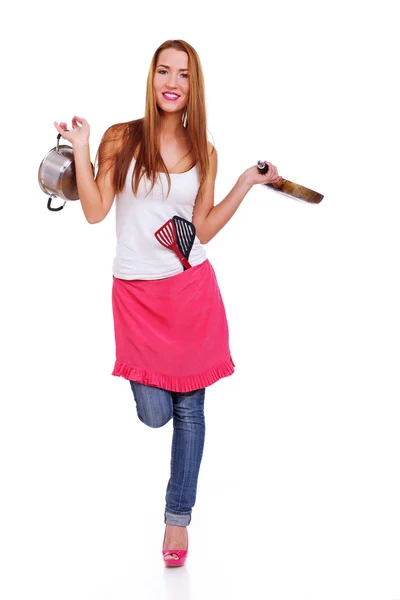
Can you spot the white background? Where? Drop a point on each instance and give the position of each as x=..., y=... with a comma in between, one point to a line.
x=299, y=489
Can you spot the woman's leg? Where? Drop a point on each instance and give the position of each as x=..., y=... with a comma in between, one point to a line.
x=187, y=451
x=153, y=405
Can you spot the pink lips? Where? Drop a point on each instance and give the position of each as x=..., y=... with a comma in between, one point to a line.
x=171, y=99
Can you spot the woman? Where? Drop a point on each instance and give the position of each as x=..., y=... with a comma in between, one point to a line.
x=170, y=325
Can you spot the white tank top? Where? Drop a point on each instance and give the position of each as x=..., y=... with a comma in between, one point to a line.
x=139, y=255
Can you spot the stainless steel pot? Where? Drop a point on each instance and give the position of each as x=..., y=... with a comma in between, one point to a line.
x=57, y=175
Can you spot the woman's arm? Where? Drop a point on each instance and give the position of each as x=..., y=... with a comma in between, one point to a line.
x=88, y=191
x=96, y=196
x=209, y=219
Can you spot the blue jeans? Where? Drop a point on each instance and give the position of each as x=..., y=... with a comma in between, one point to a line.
x=155, y=407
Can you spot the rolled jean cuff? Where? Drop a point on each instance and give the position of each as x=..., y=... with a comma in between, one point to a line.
x=173, y=519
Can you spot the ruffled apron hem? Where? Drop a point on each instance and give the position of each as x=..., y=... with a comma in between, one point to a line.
x=187, y=383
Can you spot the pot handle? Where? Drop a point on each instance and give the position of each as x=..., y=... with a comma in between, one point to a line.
x=51, y=197
x=58, y=142
x=54, y=209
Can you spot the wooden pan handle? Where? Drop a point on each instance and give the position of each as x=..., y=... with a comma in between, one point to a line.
x=289, y=188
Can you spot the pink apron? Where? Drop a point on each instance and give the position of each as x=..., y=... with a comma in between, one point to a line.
x=172, y=333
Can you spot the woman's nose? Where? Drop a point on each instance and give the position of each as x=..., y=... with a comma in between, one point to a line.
x=172, y=81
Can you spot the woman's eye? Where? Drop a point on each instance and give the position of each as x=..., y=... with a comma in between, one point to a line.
x=162, y=71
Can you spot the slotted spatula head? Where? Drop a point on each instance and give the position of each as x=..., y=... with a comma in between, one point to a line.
x=166, y=235
x=185, y=235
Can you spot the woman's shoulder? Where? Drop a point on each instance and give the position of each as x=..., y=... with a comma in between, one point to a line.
x=211, y=149
x=212, y=156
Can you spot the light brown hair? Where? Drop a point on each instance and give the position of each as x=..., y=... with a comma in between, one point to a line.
x=141, y=135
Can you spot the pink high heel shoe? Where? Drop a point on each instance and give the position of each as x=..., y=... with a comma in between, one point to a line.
x=174, y=562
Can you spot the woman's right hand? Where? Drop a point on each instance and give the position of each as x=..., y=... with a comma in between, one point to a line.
x=253, y=176
x=78, y=135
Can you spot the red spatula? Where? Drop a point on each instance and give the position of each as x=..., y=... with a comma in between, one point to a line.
x=166, y=235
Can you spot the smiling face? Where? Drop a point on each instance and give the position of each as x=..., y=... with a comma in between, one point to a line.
x=171, y=80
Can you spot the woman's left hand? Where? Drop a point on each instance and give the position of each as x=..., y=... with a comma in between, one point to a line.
x=252, y=175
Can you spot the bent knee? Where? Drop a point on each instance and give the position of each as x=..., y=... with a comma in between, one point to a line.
x=155, y=422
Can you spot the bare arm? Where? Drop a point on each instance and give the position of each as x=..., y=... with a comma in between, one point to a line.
x=209, y=219
x=88, y=190
x=96, y=195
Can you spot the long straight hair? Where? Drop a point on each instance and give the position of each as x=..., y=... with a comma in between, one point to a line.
x=121, y=141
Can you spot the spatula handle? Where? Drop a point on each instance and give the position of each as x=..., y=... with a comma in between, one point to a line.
x=175, y=248
x=183, y=260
